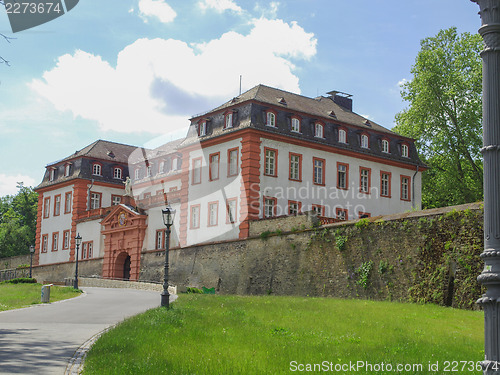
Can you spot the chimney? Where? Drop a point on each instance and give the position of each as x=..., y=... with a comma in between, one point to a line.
x=343, y=99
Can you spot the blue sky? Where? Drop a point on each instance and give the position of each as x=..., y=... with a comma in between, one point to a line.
x=135, y=71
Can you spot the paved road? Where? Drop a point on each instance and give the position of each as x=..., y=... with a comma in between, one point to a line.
x=42, y=339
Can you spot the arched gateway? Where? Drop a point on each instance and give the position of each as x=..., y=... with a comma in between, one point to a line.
x=124, y=230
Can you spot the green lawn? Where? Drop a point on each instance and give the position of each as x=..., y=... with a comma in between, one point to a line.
x=217, y=335
x=15, y=296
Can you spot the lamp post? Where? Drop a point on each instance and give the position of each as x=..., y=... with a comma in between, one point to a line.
x=489, y=11
x=32, y=251
x=168, y=219
x=78, y=241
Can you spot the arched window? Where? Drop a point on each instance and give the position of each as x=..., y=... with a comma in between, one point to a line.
x=271, y=119
x=96, y=169
x=404, y=150
x=295, y=125
x=228, y=121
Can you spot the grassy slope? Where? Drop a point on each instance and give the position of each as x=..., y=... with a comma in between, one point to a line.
x=262, y=335
x=14, y=296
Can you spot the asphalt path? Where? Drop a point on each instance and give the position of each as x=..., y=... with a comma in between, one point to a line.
x=43, y=338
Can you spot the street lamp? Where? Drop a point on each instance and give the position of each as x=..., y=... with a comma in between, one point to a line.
x=490, y=276
x=32, y=251
x=78, y=241
x=168, y=219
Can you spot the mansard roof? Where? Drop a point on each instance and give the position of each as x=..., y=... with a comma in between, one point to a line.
x=103, y=150
x=320, y=107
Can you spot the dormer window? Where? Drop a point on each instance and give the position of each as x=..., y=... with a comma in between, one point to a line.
x=52, y=174
x=136, y=174
x=342, y=136
x=271, y=119
x=67, y=170
x=228, y=121
x=318, y=130
x=96, y=169
x=404, y=150
x=202, y=128
x=364, y=141
x=295, y=125
x=385, y=146
x=148, y=171
x=161, y=167
x=117, y=173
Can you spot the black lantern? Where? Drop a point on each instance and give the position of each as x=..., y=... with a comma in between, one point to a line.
x=32, y=251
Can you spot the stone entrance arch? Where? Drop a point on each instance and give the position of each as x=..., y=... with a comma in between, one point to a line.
x=122, y=266
x=124, y=230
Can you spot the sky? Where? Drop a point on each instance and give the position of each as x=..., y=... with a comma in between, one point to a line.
x=135, y=71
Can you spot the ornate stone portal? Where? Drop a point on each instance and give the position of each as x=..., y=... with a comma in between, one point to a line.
x=124, y=231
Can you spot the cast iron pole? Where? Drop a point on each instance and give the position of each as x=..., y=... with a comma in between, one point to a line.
x=490, y=276
x=165, y=295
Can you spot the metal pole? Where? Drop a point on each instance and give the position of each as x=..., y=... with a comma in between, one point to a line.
x=31, y=262
x=75, y=284
x=490, y=276
x=165, y=296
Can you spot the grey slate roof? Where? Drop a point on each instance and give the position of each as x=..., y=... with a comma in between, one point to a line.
x=104, y=150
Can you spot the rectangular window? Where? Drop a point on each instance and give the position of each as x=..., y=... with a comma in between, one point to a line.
x=269, y=207
x=67, y=170
x=196, y=178
x=318, y=171
x=231, y=210
x=117, y=173
x=55, y=241
x=87, y=250
x=232, y=162
x=161, y=167
x=116, y=200
x=295, y=167
x=342, y=175
x=385, y=184
x=95, y=200
x=271, y=159
x=213, y=214
x=202, y=128
x=385, y=145
x=66, y=235
x=341, y=214
x=214, y=166
x=318, y=209
x=160, y=239
x=295, y=125
x=136, y=174
x=405, y=188
x=342, y=136
x=45, y=243
x=46, y=207
x=294, y=207
x=195, y=216
x=318, y=130
x=57, y=205
x=149, y=171
x=228, y=121
x=404, y=151
x=364, y=141
x=52, y=174
x=67, y=202
x=364, y=180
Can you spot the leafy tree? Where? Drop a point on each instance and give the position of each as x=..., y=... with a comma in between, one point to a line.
x=444, y=116
x=18, y=221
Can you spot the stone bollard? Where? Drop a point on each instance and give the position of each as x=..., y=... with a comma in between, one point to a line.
x=46, y=293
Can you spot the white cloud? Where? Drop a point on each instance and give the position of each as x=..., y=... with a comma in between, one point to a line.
x=158, y=84
x=156, y=8
x=402, y=82
x=270, y=11
x=8, y=183
x=220, y=5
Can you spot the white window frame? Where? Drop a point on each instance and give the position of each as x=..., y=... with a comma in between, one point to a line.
x=364, y=141
x=364, y=177
x=202, y=129
x=295, y=167
x=271, y=119
x=404, y=150
x=318, y=130
x=385, y=146
x=117, y=173
x=228, y=121
x=269, y=207
x=213, y=214
x=270, y=162
x=95, y=201
x=342, y=136
x=295, y=125
x=96, y=169
x=195, y=216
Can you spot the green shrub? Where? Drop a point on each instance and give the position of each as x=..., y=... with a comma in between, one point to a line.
x=341, y=241
x=363, y=272
x=21, y=266
x=265, y=234
x=193, y=290
x=20, y=280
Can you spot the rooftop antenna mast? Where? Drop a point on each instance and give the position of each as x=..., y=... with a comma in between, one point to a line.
x=240, y=84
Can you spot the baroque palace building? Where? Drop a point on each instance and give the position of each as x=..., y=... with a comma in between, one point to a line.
x=263, y=154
